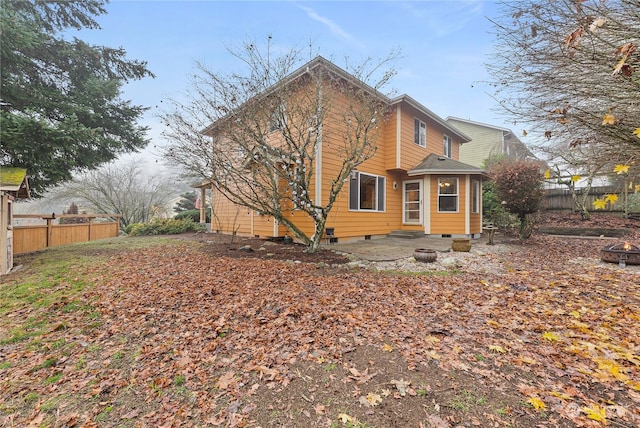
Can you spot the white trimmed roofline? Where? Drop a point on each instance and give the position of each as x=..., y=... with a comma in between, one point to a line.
x=486, y=125
x=406, y=98
x=318, y=61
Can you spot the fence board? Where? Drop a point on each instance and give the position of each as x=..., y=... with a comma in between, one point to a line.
x=560, y=199
x=29, y=238
x=37, y=237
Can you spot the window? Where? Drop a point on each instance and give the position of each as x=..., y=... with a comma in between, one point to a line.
x=277, y=119
x=420, y=132
x=475, y=196
x=366, y=192
x=448, y=194
x=447, y=146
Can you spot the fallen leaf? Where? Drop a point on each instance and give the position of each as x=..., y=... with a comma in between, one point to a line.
x=497, y=348
x=372, y=399
x=345, y=419
x=550, y=336
x=537, y=403
x=401, y=386
x=596, y=413
x=225, y=380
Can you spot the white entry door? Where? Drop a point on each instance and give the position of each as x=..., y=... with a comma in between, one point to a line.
x=412, y=202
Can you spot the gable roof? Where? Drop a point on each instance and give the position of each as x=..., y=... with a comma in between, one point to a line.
x=14, y=179
x=505, y=131
x=438, y=164
x=316, y=63
x=406, y=98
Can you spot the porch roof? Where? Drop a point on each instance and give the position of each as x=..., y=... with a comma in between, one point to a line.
x=438, y=164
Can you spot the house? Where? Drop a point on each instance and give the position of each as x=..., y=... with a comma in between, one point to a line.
x=414, y=183
x=487, y=141
x=13, y=184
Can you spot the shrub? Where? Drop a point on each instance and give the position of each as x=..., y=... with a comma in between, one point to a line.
x=518, y=183
x=194, y=215
x=164, y=227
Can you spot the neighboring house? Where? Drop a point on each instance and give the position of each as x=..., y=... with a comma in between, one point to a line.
x=13, y=184
x=487, y=141
x=414, y=182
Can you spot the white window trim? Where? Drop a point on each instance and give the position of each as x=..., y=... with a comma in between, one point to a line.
x=451, y=195
x=447, y=146
x=421, y=125
x=355, y=175
x=404, y=202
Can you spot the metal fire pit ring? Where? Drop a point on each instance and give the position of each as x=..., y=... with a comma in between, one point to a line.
x=627, y=252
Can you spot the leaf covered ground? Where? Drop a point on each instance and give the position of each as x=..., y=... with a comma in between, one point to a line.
x=172, y=332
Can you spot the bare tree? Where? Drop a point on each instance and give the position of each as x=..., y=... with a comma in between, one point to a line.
x=579, y=165
x=122, y=189
x=569, y=70
x=257, y=136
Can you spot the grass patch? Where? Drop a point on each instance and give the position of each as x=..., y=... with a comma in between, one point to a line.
x=53, y=281
x=53, y=379
x=465, y=400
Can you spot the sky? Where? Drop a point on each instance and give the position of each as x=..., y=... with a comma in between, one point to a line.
x=444, y=45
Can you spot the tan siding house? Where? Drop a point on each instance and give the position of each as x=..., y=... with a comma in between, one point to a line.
x=419, y=183
x=487, y=141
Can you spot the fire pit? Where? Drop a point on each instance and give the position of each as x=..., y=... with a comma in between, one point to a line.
x=621, y=254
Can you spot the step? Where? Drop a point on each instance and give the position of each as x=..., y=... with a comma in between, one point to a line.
x=406, y=234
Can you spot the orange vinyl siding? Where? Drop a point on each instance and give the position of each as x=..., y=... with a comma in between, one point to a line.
x=347, y=223
x=411, y=153
x=227, y=217
x=448, y=223
x=388, y=138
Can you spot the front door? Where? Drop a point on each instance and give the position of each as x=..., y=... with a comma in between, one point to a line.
x=412, y=202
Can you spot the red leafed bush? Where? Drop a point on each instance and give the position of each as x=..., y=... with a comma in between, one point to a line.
x=519, y=186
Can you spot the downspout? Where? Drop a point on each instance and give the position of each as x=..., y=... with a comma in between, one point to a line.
x=318, y=166
x=398, y=137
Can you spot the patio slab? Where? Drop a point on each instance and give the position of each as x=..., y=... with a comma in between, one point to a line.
x=387, y=249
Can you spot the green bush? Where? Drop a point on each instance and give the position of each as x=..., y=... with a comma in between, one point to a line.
x=130, y=227
x=194, y=215
x=170, y=226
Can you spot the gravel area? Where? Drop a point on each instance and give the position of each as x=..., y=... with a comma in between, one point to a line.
x=496, y=259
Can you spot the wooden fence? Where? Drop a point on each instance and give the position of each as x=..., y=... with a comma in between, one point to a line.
x=560, y=199
x=35, y=237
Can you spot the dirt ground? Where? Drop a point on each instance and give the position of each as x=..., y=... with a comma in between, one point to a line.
x=203, y=333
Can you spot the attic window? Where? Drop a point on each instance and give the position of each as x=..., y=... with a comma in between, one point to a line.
x=447, y=146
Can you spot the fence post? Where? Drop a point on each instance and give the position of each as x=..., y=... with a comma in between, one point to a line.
x=49, y=231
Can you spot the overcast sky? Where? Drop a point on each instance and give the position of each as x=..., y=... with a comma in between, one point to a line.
x=445, y=44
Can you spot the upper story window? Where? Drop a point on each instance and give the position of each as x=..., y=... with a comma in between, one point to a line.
x=366, y=192
x=277, y=119
x=420, y=132
x=448, y=147
x=448, y=194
